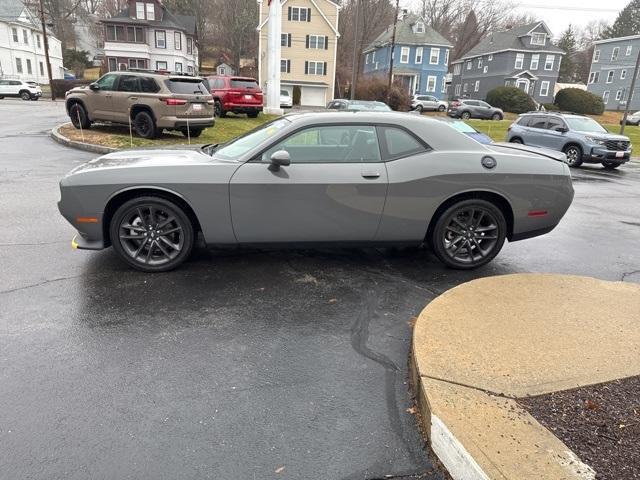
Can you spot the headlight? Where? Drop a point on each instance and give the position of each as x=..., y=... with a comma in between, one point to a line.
x=597, y=141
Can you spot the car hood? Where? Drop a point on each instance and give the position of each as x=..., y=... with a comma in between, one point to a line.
x=605, y=136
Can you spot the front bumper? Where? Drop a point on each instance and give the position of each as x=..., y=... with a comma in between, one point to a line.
x=35, y=94
x=81, y=243
x=601, y=154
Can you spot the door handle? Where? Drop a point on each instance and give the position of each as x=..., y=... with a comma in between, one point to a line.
x=133, y=98
x=370, y=174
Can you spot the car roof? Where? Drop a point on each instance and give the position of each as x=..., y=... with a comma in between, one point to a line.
x=169, y=75
x=560, y=114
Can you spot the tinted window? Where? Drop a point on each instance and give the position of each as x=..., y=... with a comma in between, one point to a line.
x=484, y=104
x=243, y=83
x=524, y=121
x=472, y=103
x=554, y=123
x=107, y=82
x=4, y=82
x=400, y=143
x=538, y=122
x=186, y=86
x=148, y=85
x=128, y=83
x=16, y=82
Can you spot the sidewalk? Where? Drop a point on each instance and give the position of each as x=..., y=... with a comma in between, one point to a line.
x=480, y=346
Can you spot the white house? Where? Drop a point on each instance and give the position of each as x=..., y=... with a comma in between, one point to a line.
x=22, y=46
x=147, y=36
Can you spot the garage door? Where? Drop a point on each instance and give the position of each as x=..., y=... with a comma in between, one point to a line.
x=312, y=96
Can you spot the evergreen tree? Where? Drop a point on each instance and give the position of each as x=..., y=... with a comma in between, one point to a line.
x=568, y=43
x=627, y=23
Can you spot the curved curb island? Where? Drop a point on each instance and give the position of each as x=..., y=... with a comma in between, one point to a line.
x=482, y=345
x=87, y=147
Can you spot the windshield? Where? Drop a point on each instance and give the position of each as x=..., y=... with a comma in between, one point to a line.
x=375, y=106
x=284, y=93
x=187, y=86
x=238, y=147
x=584, y=124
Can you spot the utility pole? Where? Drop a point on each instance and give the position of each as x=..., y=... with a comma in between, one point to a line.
x=393, y=47
x=633, y=86
x=273, y=57
x=45, y=40
x=356, y=59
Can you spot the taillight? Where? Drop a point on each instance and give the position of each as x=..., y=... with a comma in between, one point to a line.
x=175, y=101
x=211, y=102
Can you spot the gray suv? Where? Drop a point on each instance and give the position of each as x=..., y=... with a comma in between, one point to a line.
x=466, y=108
x=581, y=138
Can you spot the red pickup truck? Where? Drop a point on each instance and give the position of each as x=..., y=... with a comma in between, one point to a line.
x=235, y=94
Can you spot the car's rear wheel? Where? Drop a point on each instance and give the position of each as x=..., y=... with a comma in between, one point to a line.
x=610, y=165
x=193, y=132
x=441, y=108
x=465, y=116
x=252, y=114
x=152, y=234
x=78, y=116
x=574, y=155
x=24, y=95
x=145, y=125
x=217, y=109
x=496, y=116
x=469, y=234
x=516, y=140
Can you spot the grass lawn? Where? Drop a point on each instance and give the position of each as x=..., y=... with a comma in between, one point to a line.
x=118, y=136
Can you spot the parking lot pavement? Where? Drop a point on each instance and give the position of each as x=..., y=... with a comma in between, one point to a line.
x=240, y=365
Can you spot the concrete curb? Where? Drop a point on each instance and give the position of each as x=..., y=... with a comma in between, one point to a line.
x=87, y=147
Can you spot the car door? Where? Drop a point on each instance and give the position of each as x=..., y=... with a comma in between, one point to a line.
x=4, y=88
x=554, y=135
x=333, y=191
x=99, y=101
x=124, y=96
x=430, y=103
x=484, y=109
x=536, y=131
x=472, y=108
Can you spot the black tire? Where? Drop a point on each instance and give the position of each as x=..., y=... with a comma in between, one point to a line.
x=145, y=125
x=468, y=234
x=78, y=116
x=516, y=140
x=1, y=98
x=193, y=132
x=136, y=234
x=218, y=111
x=574, y=155
x=252, y=114
x=610, y=165
x=496, y=116
x=25, y=95
x=441, y=108
x=465, y=115
x=419, y=108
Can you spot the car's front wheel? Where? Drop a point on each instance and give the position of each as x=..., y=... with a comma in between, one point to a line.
x=24, y=95
x=469, y=234
x=441, y=108
x=152, y=234
x=496, y=116
x=145, y=125
x=610, y=165
x=78, y=116
x=419, y=108
x=252, y=114
x=465, y=116
x=574, y=155
x=516, y=140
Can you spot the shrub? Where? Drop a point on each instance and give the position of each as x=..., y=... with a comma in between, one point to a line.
x=510, y=99
x=579, y=101
x=60, y=87
x=377, y=89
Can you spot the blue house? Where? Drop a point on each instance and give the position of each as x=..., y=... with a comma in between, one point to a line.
x=420, y=59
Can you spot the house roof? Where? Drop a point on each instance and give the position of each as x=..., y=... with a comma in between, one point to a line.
x=169, y=20
x=509, y=40
x=405, y=35
x=10, y=10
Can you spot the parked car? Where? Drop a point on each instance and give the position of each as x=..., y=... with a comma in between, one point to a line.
x=468, y=130
x=149, y=101
x=466, y=108
x=633, y=119
x=285, y=99
x=20, y=89
x=581, y=138
x=358, y=105
x=428, y=102
x=236, y=95
x=312, y=178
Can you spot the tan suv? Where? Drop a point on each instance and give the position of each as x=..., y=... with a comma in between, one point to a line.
x=151, y=102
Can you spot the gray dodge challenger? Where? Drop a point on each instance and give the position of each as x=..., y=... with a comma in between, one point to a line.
x=311, y=179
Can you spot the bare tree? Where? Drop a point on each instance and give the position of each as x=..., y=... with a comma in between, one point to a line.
x=60, y=15
x=233, y=29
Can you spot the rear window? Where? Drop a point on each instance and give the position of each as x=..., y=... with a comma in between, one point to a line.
x=186, y=86
x=243, y=83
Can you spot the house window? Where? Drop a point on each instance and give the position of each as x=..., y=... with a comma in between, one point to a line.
x=435, y=56
x=113, y=64
x=14, y=33
x=140, y=10
x=376, y=67
x=285, y=39
x=139, y=63
x=135, y=35
x=476, y=87
x=629, y=49
x=404, y=55
x=151, y=13
x=443, y=89
x=318, y=42
x=315, y=68
x=25, y=37
x=373, y=57
x=177, y=40
x=446, y=56
x=285, y=66
x=535, y=59
x=116, y=33
x=29, y=71
x=456, y=68
x=299, y=14
x=419, y=27
x=179, y=67
x=38, y=41
x=614, y=53
x=623, y=74
x=41, y=69
x=190, y=69
x=490, y=58
x=538, y=38
x=596, y=56
x=519, y=61
x=19, y=65
x=605, y=96
x=480, y=62
x=189, y=45
x=544, y=88
x=619, y=95
x=469, y=65
x=548, y=63
x=610, y=75
x=465, y=87
x=418, y=55
x=456, y=91
x=431, y=83
x=366, y=59
x=161, y=65
x=161, y=39
x=485, y=69
x=594, y=77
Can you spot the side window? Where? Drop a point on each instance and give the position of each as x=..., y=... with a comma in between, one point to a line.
x=471, y=103
x=128, y=83
x=218, y=83
x=148, y=85
x=399, y=143
x=524, y=121
x=330, y=144
x=484, y=104
x=538, y=122
x=555, y=124
x=107, y=82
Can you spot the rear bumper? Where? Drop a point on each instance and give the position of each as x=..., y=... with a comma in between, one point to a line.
x=600, y=154
x=181, y=122
x=241, y=108
x=195, y=123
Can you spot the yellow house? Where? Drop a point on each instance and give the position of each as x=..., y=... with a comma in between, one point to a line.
x=308, y=49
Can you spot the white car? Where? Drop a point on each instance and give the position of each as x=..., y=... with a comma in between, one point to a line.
x=285, y=99
x=633, y=119
x=428, y=102
x=20, y=88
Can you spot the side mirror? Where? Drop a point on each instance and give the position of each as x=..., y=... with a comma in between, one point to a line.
x=94, y=86
x=280, y=158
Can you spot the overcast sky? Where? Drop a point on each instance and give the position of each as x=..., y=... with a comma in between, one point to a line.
x=558, y=14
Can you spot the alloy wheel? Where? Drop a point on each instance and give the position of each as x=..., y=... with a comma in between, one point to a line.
x=25, y=96
x=573, y=156
x=143, y=125
x=470, y=235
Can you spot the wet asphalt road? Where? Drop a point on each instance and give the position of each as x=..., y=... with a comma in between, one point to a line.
x=241, y=364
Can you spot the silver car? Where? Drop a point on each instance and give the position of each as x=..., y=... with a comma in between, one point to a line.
x=305, y=179
x=428, y=102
